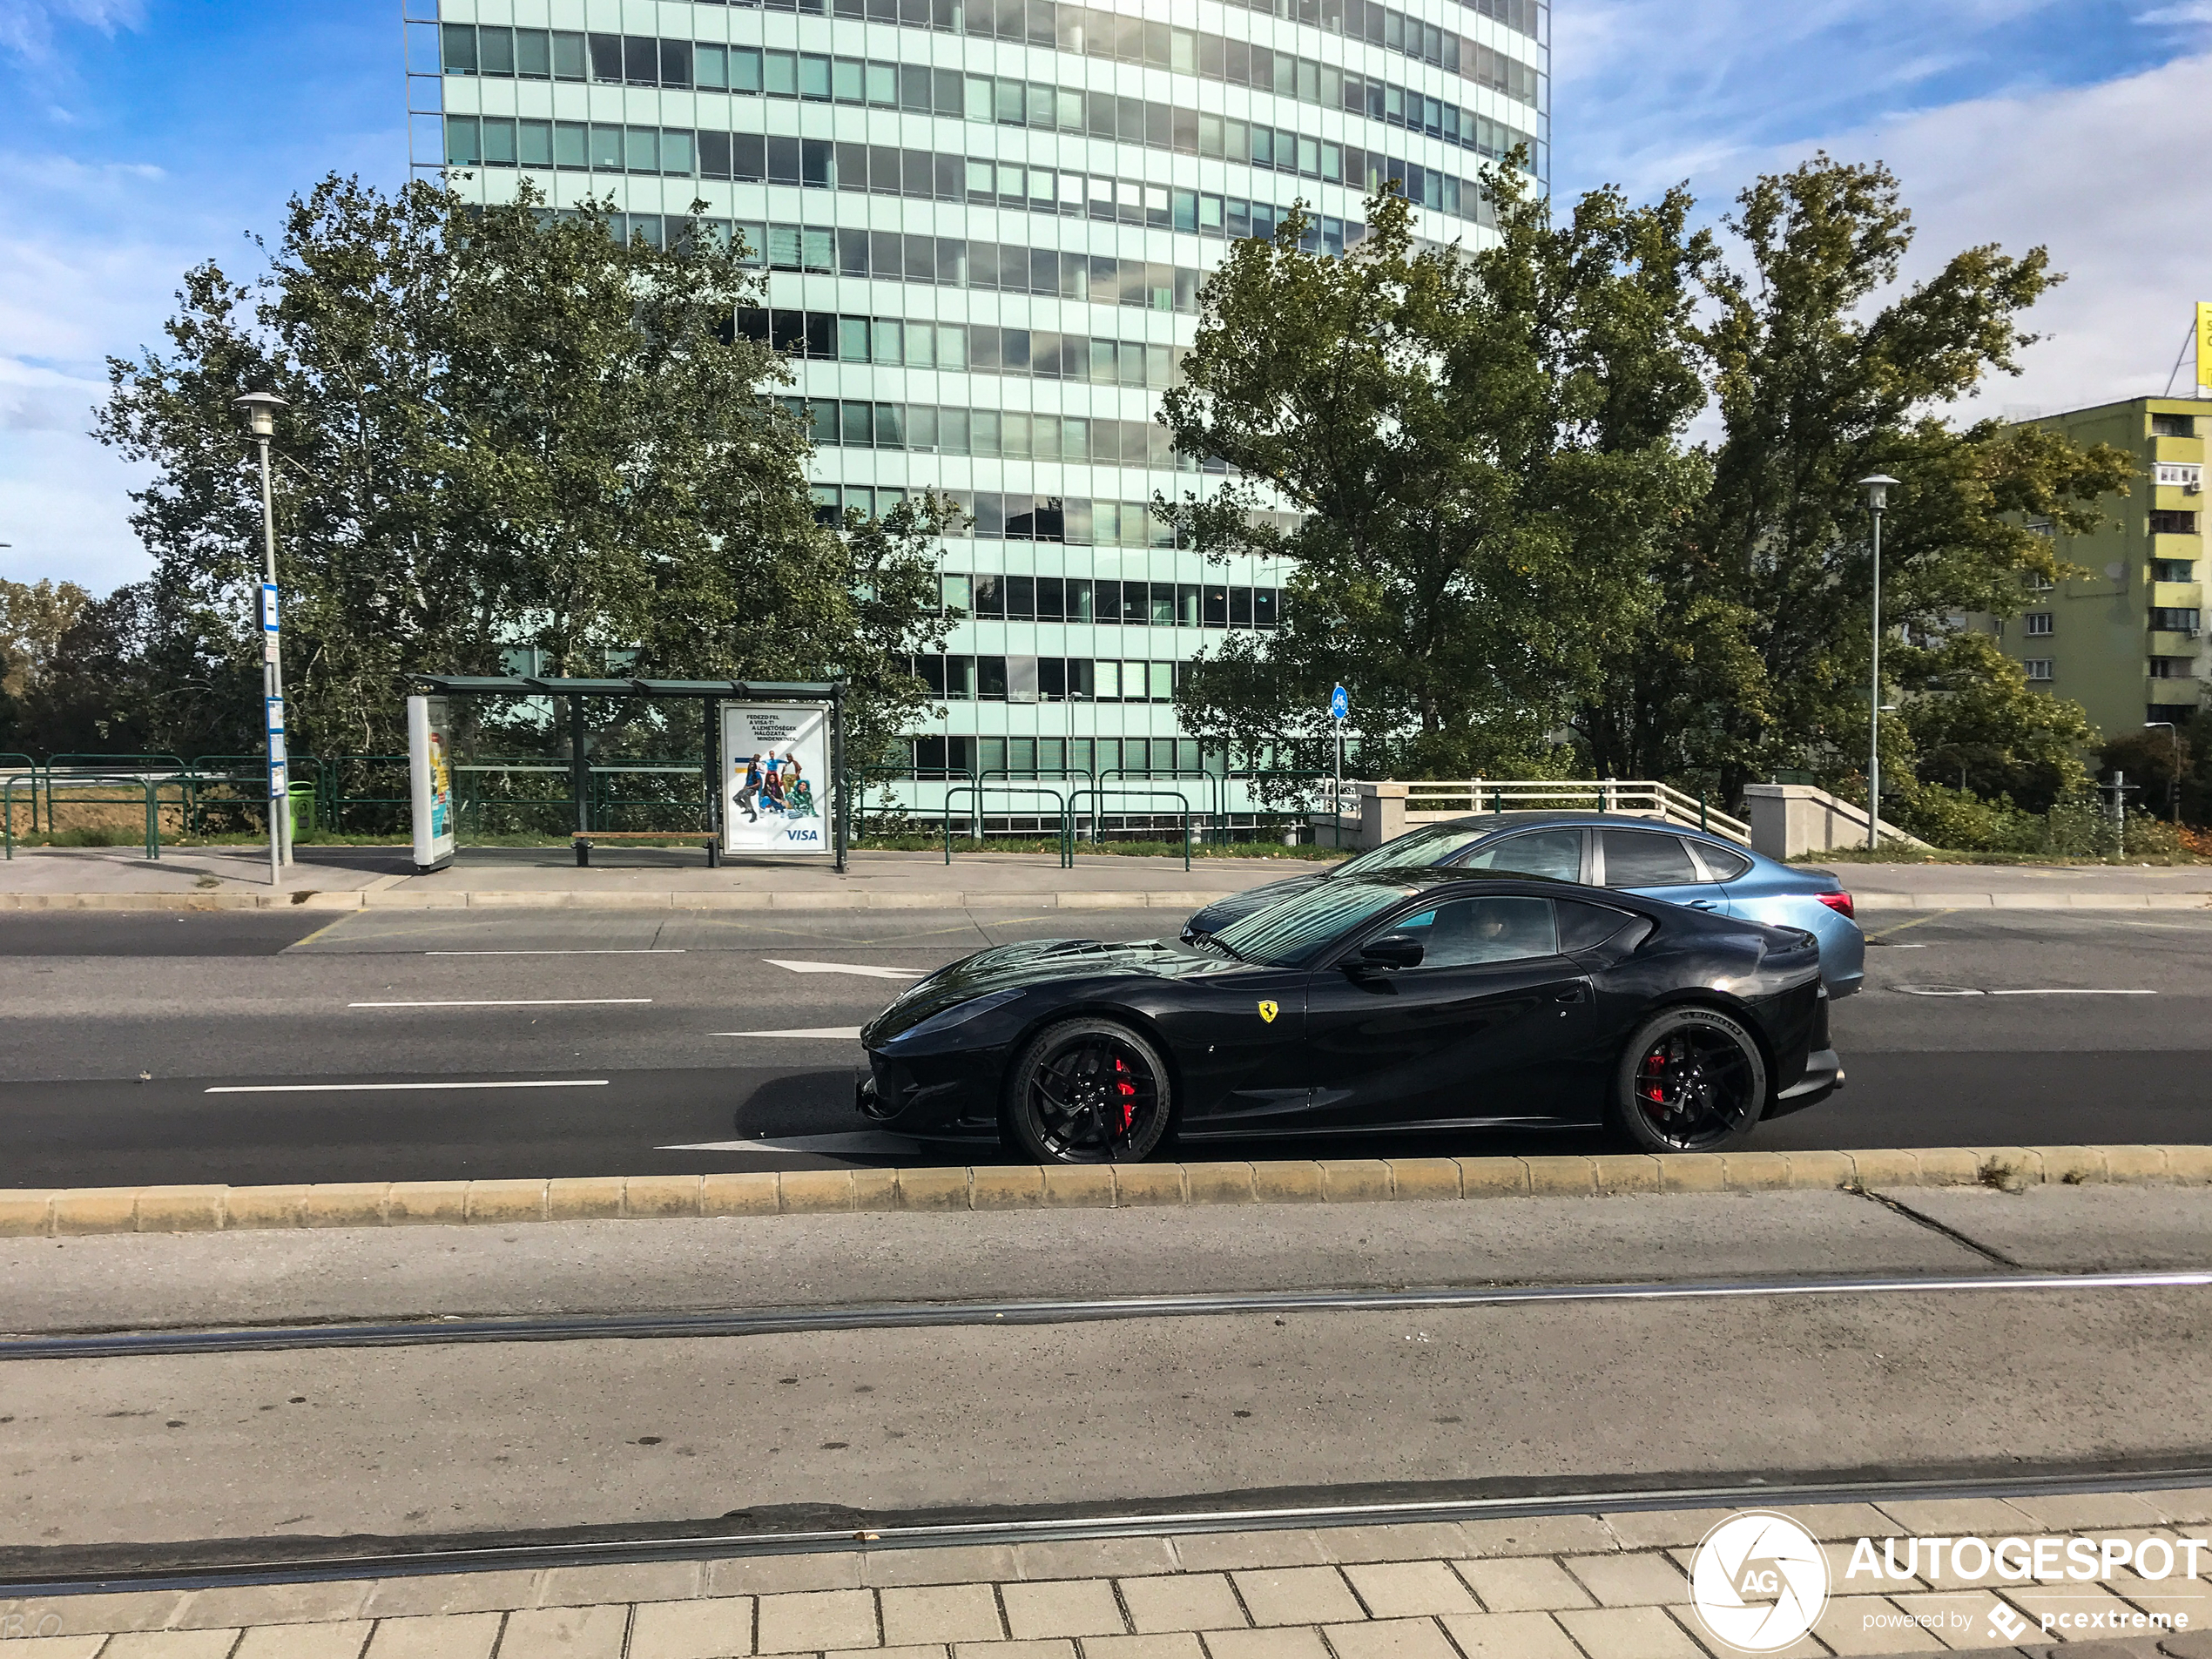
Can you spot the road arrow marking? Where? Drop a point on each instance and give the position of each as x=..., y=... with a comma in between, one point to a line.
x=847, y=968
x=842, y=1032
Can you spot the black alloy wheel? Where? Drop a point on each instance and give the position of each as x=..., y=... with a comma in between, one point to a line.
x=1691, y=1080
x=1088, y=1091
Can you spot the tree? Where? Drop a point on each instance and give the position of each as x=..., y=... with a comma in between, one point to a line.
x=1820, y=382
x=1969, y=718
x=506, y=429
x=33, y=619
x=1482, y=449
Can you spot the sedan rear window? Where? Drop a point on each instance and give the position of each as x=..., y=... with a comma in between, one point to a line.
x=1726, y=866
x=1647, y=859
x=1286, y=934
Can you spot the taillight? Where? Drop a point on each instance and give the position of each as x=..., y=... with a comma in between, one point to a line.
x=1840, y=902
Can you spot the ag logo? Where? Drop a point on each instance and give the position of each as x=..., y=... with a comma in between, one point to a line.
x=1268, y=1011
x=1759, y=1581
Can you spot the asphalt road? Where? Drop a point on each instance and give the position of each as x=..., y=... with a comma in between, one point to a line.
x=620, y=1040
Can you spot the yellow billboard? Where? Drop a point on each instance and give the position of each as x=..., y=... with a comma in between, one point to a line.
x=2203, y=345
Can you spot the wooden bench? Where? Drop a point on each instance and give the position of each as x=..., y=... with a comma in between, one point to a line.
x=711, y=841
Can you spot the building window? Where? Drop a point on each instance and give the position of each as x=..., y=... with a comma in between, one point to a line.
x=2171, y=523
x=2173, y=570
x=2038, y=624
x=2173, y=668
x=2169, y=619
x=2173, y=426
x=2039, y=668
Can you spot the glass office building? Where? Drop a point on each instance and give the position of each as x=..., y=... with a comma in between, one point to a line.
x=984, y=224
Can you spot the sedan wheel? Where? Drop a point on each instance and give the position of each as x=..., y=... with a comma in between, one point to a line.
x=1692, y=1080
x=1088, y=1091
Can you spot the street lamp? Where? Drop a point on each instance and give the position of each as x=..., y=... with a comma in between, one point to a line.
x=260, y=415
x=1877, y=497
x=2174, y=782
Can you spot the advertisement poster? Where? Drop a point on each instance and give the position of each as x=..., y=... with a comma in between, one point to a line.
x=775, y=779
x=429, y=757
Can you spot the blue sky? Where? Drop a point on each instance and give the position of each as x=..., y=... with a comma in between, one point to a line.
x=140, y=136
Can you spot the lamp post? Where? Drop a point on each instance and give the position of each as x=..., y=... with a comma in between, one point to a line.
x=1877, y=497
x=2173, y=781
x=261, y=414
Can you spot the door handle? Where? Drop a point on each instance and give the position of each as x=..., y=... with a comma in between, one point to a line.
x=1704, y=904
x=1574, y=995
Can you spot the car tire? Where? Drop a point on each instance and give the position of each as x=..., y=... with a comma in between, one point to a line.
x=1088, y=1091
x=1689, y=1080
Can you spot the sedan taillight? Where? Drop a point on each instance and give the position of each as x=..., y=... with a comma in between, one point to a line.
x=1840, y=902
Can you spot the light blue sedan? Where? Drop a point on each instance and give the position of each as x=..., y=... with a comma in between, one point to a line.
x=1639, y=855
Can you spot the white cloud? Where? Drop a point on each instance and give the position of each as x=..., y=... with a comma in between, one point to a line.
x=1651, y=92
x=27, y=26
x=90, y=259
x=2110, y=178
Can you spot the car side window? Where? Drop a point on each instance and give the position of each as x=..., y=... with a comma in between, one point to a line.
x=1470, y=932
x=1647, y=859
x=1726, y=866
x=1588, y=927
x=1556, y=853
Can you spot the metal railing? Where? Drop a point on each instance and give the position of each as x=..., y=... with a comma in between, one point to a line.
x=1634, y=797
x=150, y=786
x=1066, y=833
x=1100, y=792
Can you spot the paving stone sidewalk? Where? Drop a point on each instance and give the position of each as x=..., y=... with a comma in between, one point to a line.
x=1597, y=1585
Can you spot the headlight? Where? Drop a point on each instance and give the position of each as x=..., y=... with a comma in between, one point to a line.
x=959, y=1015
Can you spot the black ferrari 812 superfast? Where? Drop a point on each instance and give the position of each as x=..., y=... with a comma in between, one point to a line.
x=1418, y=1000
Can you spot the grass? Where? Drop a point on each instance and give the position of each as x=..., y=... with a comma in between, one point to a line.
x=1896, y=852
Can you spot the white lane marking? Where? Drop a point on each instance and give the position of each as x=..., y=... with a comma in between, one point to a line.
x=812, y=1031
x=353, y=1089
x=2073, y=992
x=847, y=968
x=647, y=950
x=861, y=1141
x=1968, y=990
x=514, y=1002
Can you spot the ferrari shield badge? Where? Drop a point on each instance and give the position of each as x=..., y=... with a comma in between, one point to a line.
x=1268, y=1011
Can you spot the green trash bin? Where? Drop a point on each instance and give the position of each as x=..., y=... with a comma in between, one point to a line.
x=302, y=797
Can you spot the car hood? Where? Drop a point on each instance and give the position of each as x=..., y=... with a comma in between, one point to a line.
x=1034, y=962
x=1238, y=905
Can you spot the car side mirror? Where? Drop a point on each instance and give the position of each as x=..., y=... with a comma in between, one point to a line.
x=1392, y=951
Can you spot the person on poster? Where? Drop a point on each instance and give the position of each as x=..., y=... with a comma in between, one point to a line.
x=772, y=785
x=750, y=792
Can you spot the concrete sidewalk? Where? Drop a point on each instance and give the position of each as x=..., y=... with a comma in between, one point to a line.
x=376, y=877
x=1598, y=1584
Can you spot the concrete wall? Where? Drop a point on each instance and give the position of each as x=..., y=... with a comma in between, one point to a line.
x=1790, y=818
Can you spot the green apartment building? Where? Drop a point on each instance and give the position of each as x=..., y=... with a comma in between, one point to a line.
x=2125, y=641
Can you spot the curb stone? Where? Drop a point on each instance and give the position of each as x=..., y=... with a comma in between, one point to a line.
x=616, y=899
x=80, y=1212
x=922, y=899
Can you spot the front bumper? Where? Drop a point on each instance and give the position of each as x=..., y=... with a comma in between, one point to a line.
x=953, y=1095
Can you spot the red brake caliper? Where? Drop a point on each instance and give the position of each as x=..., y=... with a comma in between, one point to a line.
x=1126, y=1091
x=1654, y=1067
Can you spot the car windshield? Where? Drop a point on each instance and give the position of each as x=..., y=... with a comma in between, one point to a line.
x=1423, y=847
x=1287, y=935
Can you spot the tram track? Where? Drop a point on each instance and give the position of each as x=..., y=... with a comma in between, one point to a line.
x=189, y=1565
x=449, y=1330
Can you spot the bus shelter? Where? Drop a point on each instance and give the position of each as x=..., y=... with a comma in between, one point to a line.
x=776, y=749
